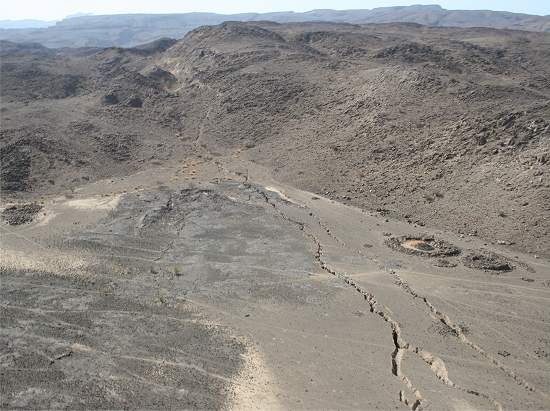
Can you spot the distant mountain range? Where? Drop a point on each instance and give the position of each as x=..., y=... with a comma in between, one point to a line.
x=126, y=30
x=25, y=24
x=35, y=24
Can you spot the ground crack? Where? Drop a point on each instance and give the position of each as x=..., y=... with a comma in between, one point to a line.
x=400, y=345
x=444, y=318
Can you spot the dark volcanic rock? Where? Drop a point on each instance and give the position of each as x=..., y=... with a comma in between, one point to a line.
x=109, y=99
x=487, y=261
x=15, y=168
x=21, y=214
x=135, y=102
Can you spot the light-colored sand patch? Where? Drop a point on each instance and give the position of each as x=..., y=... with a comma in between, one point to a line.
x=6, y=205
x=255, y=387
x=45, y=218
x=63, y=265
x=76, y=347
x=417, y=245
x=461, y=405
x=94, y=203
x=280, y=193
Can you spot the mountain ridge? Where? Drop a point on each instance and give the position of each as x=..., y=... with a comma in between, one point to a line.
x=128, y=30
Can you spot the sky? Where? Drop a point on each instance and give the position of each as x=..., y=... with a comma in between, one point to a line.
x=57, y=9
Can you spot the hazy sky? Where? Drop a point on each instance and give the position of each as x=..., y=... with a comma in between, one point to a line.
x=57, y=9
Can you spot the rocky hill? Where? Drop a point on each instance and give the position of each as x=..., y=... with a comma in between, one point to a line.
x=133, y=29
x=446, y=127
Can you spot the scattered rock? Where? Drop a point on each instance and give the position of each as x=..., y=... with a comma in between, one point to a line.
x=135, y=102
x=423, y=246
x=15, y=167
x=110, y=99
x=443, y=329
x=487, y=261
x=442, y=262
x=21, y=214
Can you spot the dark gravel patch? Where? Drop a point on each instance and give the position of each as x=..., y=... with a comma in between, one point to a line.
x=21, y=214
x=487, y=261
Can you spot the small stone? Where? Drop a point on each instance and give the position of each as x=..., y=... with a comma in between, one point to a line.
x=110, y=99
x=134, y=102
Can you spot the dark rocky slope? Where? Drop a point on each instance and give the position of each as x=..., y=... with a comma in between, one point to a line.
x=439, y=126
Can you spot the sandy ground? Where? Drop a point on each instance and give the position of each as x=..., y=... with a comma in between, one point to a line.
x=224, y=289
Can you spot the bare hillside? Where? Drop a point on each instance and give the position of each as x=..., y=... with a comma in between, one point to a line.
x=447, y=127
